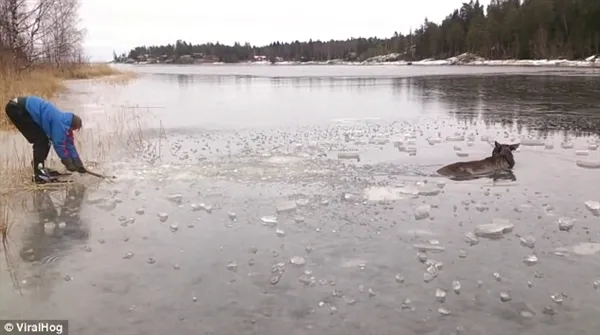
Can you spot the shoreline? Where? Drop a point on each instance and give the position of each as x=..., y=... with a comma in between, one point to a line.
x=562, y=65
x=590, y=63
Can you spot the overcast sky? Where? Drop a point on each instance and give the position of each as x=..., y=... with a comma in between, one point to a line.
x=122, y=24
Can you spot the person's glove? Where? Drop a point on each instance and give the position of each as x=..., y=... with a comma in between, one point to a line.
x=68, y=163
x=79, y=165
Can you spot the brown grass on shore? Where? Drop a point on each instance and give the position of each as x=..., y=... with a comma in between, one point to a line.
x=47, y=82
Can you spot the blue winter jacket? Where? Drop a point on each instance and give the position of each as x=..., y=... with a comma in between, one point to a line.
x=55, y=123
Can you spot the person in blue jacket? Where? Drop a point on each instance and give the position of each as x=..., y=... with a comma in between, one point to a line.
x=41, y=123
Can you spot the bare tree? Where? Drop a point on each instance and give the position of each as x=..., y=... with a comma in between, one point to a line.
x=63, y=39
x=35, y=31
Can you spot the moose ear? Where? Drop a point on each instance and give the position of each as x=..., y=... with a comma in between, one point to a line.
x=496, y=144
x=514, y=147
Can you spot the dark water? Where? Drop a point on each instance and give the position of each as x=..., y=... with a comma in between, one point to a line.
x=221, y=150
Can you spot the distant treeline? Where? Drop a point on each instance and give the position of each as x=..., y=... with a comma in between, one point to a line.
x=506, y=29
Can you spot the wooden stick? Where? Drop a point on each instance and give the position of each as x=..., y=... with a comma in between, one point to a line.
x=99, y=175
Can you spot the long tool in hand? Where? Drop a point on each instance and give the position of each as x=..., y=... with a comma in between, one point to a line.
x=100, y=175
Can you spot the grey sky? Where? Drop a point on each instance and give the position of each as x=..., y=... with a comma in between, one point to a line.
x=123, y=24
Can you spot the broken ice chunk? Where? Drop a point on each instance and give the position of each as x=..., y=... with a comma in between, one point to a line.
x=207, y=208
x=269, y=220
x=586, y=248
x=431, y=273
x=201, y=206
x=433, y=141
x=428, y=247
x=427, y=277
x=557, y=298
x=567, y=145
x=504, y=297
x=440, y=295
x=443, y=311
x=286, y=206
x=455, y=138
x=456, y=286
x=588, y=164
x=593, y=206
x=232, y=266
x=422, y=212
x=530, y=260
x=532, y=142
x=565, y=223
x=175, y=198
x=277, y=272
x=162, y=216
x=429, y=191
x=528, y=241
x=494, y=230
x=348, y=155
x=471, y=239
x=298, y=261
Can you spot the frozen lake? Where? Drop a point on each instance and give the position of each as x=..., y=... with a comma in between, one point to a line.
x=232, y=213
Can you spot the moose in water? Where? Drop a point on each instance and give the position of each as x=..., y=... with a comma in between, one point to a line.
x=498, y=166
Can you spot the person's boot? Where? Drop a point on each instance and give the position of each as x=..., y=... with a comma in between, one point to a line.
x=43, y=179
x=41, y=176
x=46, y=170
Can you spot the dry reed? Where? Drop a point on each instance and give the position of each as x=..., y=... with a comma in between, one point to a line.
x=47, y=82
x=122, y=130
x=5, y=225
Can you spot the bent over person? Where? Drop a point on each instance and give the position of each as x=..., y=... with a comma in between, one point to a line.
x=41, y=123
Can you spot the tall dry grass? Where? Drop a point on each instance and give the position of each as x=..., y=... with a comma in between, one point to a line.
x=47, y=82
x=120, y=129
x=116, y=130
